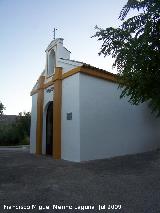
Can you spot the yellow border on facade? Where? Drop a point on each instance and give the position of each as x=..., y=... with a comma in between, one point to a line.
x=92, y=72
x=99, y=74
x=82, y=69
x=71, y=72
x=57, y=82
x=57, y=113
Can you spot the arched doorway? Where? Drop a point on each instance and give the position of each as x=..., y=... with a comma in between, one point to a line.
x=49, y=129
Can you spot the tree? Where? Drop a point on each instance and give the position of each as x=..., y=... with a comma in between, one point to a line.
x=2, y=108
x=23, y=123
x=135, y=45
x=22, y=127
x=16, y=133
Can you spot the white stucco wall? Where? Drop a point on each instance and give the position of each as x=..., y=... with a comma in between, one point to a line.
x=70, y=141
x=68, y=65
x=110, y=126
x=33, y=124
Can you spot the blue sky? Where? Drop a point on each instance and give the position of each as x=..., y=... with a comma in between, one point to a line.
x=26, y=30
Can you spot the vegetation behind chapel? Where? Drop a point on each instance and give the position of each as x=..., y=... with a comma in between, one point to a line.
x=135, y=46
x=15, y=130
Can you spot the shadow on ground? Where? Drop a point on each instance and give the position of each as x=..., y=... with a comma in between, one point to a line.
x=131, y=181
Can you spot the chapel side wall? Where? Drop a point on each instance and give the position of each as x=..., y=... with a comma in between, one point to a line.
x=70, y=135
x=110, y=126
x=33, y=124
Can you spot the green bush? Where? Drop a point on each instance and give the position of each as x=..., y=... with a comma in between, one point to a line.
x=16, y=133
x=25, y=141
x=8, y=134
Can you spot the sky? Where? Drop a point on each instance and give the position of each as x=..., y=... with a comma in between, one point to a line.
x=27, y=29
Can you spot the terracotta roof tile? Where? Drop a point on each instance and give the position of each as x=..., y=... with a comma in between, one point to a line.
x=89, y=66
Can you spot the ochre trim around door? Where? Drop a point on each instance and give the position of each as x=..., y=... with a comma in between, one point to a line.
x=39, y=127
x=57, y=99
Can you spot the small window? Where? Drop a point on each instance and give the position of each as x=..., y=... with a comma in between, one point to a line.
x=51, y=62
x=69, y=116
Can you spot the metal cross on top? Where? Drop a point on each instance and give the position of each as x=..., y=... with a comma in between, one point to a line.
x=54, y=33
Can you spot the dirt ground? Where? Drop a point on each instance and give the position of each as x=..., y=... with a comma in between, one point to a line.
x=30, y=183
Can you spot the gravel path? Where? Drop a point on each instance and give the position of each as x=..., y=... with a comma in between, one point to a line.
x=42, y=184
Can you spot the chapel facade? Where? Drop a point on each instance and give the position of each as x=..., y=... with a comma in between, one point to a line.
x=77, y=114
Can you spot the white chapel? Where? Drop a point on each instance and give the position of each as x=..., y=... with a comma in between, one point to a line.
x=77, y=114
